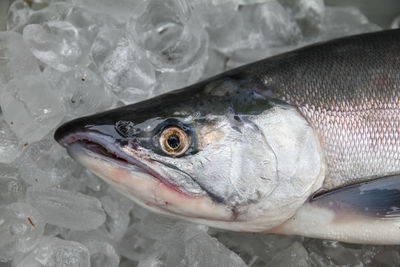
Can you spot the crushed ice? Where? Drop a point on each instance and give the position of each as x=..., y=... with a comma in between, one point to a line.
x=61, y=59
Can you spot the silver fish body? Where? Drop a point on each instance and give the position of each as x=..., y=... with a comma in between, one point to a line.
x=305, y=143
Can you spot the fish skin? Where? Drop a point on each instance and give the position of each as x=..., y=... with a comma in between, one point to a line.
x=347, y=90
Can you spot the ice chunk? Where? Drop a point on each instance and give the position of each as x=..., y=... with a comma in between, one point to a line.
x=126, y=69
x=117, y=209
x=18, y=14
x=134, y=245
x=58, y=253
x=102, y=252
x=86, y=93
x=255, y=250
x=3, y=14
x=30, y=107
x=203, y=250
x=56, y=43
x=10, y=145
x=154, y=225
x=294, y=255
x=56, y=11
x=255, y=32
x=67, y=209
x=308, y=14
x=44, y=164
x=389, y=257
x=81, y=90
x=189, y=245
x=90, y=23
x=396, y=23
x=334, y=253
x=215, y=65
x=16, y=60
x=169, y=34
x=215, y=14
x=342, y=21
x=104, y=44
x=274, y=22
x=169, y=250
x=11, y=187
x=20, y=227
x=120, y=9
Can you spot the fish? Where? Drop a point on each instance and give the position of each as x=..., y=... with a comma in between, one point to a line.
x=302, y=143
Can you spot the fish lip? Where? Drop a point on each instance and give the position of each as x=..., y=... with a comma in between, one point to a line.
x=85, y=138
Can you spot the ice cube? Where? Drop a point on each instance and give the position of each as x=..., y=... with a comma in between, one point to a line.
x=389, y=257
x=30, y=107
x=3, y=14
x=67, y=209
x=56, y=11
x=257, y=30
x=11, y=187
x=154, y=225
x=104, y=44
x=117, y=209
x=189, y=245
x=58, y=253
x=335, y=253
x=16, y=60
x=56, y=43
x=396, y=23
x=342, y=21
x=169, y=34
x=255, y=250
x=20, y=227
x=215, y=14
x=44, y=164
x=294, y=255
x=10, y=145
x=120, y=10
x=274, y=22
x=127, y=69
x=216, y=63
x=89, y=23
x=82, y=91
x=169, y=250
x=18, y=14
x=308, y=14
x=134, y=245
x=203, y=250
x=102, y=252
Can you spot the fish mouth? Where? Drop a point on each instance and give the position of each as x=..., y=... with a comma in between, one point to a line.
x=120, y=165
x=107, y=149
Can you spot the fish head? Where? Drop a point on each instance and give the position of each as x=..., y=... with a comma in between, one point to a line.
x=215, y=153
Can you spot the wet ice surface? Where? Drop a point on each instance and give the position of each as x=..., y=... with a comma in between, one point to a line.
x=64, y=59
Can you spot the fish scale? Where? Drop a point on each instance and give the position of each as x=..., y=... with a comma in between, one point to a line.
x=349, y=92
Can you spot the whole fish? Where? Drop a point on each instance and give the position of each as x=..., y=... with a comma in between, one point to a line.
x=306, y=142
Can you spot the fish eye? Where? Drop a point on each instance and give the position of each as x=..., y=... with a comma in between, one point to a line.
x=174, y=141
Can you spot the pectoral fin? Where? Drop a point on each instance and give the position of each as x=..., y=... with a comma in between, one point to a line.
x=367, y=212
x=375, y=198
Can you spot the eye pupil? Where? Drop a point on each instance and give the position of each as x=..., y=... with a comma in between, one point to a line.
x=173, y=141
